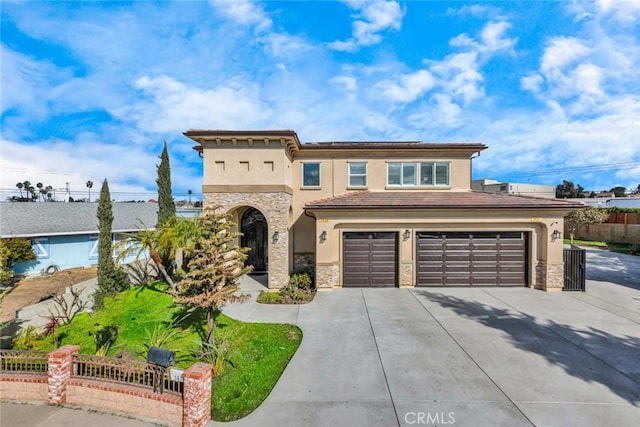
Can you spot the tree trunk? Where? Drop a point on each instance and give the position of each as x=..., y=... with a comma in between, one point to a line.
x=158, y=260
x=211, y=324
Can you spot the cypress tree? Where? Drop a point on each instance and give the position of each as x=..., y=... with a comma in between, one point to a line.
x=166, y=206
x=110, y=280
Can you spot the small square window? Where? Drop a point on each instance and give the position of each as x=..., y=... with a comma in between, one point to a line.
x=358, y=174
x=311, y=174
x=243, y=166
x=219, y=166
x=268, y=167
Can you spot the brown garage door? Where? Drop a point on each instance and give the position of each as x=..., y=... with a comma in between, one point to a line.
x=464, y=259
x=369, y=259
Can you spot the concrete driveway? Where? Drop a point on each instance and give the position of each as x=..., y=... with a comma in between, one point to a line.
x=460, y=356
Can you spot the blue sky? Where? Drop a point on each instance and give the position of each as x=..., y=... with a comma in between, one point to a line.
x=90, y=90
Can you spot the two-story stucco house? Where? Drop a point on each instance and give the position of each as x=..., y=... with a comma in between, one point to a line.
x=377, y=213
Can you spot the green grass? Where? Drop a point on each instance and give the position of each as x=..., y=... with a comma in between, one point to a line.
x=260, y=351
x=586, y=243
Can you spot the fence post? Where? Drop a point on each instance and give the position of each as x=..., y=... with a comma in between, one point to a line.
x=196, y=403
x=60, y=367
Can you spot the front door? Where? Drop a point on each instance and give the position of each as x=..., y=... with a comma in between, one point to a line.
x=253, y=227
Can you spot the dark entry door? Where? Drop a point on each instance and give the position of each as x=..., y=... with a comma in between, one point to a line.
x=465, y=259
x=253, y=227
x=369, y=259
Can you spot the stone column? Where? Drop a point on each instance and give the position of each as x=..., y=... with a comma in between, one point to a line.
x=196, y=410
x=60, y=368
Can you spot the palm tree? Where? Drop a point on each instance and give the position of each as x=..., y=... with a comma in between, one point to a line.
x=191, y=192
x=145, y=240
x=89, y=186
x=20, y=185
x=39, y=185
x=48, y=190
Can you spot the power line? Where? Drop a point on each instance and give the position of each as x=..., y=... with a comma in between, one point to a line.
x=567, y=170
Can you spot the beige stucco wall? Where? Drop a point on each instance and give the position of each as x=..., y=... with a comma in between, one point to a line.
x=545, y=253
x=245, y=165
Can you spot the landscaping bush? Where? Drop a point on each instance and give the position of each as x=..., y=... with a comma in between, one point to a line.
x=299, y=290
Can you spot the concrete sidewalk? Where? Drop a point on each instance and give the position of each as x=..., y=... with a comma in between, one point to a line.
x=41, y=415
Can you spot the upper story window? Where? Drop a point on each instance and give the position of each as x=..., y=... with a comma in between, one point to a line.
x=311, y=174
x=401, y=174
x=357, y=174
x=428, y=174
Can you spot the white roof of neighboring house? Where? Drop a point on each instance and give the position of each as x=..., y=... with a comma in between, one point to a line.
x=31, y=219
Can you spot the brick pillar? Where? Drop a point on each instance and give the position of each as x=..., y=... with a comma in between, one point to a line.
x=60, y=366
x=196, y=409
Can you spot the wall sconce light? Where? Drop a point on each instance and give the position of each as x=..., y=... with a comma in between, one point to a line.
x=276, y=236
x=323, y=237
x=406, y=234
x=556, y=234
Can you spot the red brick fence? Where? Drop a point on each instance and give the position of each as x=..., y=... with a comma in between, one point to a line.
x=65, y=377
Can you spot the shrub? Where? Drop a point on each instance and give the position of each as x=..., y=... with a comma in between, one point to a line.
x=301, y=281
x=12, y=250
x=27, y=338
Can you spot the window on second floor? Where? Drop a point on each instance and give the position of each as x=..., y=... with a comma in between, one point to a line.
x=311, y=174
x=357, y=174
x=428, y=174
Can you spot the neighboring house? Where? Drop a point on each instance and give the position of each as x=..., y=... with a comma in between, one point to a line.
x=66, y=234
x=377, y=213
x=519, y=189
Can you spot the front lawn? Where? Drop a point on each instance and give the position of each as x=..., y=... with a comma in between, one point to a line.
x=258, y=353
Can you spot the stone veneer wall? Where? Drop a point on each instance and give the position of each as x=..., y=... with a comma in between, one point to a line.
x=406, y=274
x=327, y=275
x=549, y=276
x=275, y=208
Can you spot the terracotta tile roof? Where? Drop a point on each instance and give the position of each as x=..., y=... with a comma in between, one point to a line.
x=436, y=199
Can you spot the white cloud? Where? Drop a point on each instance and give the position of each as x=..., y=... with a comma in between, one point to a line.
x=459, y=76
x=561, y=52
x=373, y=17
x=445, y=113
x=492, y=39
x=532, y=82
x=349, y=83
x=407, y=88
x=244, y=12
x=587, y=78
x=171, y=106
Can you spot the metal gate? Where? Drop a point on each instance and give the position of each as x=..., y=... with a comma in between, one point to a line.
x=574, y=269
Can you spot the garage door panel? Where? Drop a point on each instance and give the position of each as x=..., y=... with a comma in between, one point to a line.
x=471, y=259
x=369, y=259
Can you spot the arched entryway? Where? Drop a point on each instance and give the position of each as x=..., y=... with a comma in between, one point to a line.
x=253, y=227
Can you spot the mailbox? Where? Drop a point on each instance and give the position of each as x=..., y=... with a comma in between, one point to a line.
x=160, y=356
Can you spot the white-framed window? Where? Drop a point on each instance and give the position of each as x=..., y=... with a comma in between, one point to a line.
x=40, y=247
x=402, y=174
x=311, y=174
x=357, y=174
x=93, y=247
x=434, y=174
x=424, y=174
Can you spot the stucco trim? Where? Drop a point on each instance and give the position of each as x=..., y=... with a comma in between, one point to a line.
x=247, y=189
